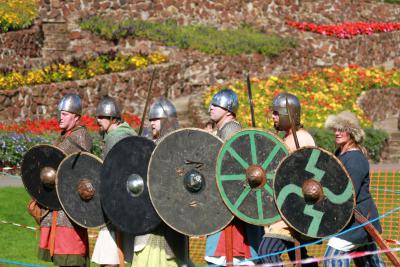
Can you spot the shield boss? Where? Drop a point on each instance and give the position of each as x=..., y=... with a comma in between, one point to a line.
x=78, y=188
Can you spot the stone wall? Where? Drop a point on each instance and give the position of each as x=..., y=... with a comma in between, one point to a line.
x=380, y=104
x=130, y=88
x=194, y=71
x=16, y=48
x=270, y=16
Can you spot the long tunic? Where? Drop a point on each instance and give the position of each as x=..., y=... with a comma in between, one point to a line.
x=70, y=240
x=106, y=249
x=358, y=168
x=163, y=247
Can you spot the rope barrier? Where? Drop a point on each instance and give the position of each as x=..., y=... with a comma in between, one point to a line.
x=349, y=256
x=10, y=175
x=315, y=242
x=21, y=263
x=386, y=190
x=19, y=225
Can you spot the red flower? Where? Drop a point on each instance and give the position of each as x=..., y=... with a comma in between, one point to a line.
x=346, y=30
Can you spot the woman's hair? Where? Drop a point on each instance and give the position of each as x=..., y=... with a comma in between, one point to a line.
x=354, y=144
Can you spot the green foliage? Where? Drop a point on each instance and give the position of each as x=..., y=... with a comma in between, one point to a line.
x=17, y=14
x=374, y=140
x=207, y=39
x=391, y=1
x=324, y=138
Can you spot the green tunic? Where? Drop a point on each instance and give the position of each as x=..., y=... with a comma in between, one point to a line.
x=110, y=139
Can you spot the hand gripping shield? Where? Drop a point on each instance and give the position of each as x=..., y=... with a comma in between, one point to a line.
x=38, y=171
x=314, y=193
x=181, y=181
x=245, y=170
x=123, y=189
x=78, y=189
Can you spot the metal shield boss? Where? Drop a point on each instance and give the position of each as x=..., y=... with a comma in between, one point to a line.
x=38, y=171
x=78, y=189
x=245, y=170
x=123, y=189
x=314, y=193
x=181, y=180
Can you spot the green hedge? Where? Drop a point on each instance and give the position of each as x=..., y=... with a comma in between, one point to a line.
x=207, y=39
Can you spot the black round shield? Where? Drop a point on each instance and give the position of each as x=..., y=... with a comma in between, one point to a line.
x=79, y=173
x=130, y=211
x=181, y=181
x=37, y=160
x=314, y=193
x=245, y=170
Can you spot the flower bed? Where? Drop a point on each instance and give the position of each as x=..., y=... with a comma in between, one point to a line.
x=321, y=92
x=17, y=14
x=78, y=70
x=50, y=126
x=346, y=30
x=17, y=138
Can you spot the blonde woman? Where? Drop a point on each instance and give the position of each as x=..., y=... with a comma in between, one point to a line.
x=349, y=137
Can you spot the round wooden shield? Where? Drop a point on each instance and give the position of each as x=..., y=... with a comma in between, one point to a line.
x=314, y=193
x=123, y=188
x=78, y=189
x=245, y=170
x=181, y=181
x=38, y=171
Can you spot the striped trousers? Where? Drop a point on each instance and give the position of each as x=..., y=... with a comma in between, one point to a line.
x=367, y=261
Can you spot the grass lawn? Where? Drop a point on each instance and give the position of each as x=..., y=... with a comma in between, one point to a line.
x=17, y=243
x=21, y=244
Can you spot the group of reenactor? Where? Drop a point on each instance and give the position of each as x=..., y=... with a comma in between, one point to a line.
x=65, y=243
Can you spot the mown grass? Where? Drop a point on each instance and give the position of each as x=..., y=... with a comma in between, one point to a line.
x=17, y=244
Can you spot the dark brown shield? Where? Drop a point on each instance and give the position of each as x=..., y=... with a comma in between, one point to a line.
x=181, y=181
x=38, y=171
x=78, y=189
x=314, y=193
x=124, y=194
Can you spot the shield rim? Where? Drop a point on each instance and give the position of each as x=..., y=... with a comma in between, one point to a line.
x=26, y=188
x=105, y=212
x=222, y=192
x=345, y=171
x=62, y=205
x=148, y=183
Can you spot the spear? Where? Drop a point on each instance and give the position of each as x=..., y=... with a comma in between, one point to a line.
x=253, y=120
x=147, y=101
